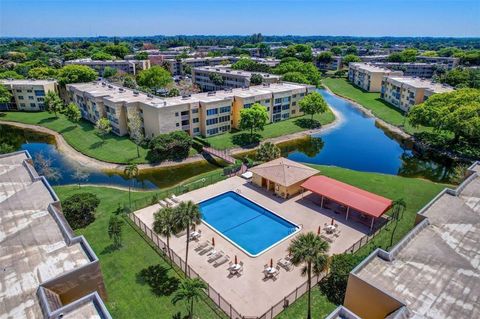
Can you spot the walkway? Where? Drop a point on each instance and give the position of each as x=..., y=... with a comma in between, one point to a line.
x=221, y=154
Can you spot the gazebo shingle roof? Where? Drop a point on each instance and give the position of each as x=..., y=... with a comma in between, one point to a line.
x=284, y=171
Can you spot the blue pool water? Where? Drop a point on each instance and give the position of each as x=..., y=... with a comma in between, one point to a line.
x=248, y=225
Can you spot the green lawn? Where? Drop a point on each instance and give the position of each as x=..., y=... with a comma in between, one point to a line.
x=128, y=297
x=293, y=125
x=82, y=137
x=371, y=101
x=321, y=307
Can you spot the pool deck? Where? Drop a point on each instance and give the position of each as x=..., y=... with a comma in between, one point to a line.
x=250, y=294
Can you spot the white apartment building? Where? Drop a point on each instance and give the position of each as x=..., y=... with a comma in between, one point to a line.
x=404, y=92
x=230, y=79
x=27, y=95
x=414, y=69
x=177, y=66
x=448, y=62
x=204, y=114
x=334, y=64
x=127, y=66
x=369, y=77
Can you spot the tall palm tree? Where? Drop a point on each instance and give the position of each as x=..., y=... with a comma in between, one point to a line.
x=398, y=207
x=190, y=290
x=187, y=214
x=165, y=225
x=310, y=250
x=130, y=171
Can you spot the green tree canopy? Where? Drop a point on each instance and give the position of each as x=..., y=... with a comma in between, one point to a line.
x=101, y=55
x=103, y=127
x=115, y=230
x=313, y=104
x=256, y=79
x=141, y=56
x=308, y=70
x=154, y=78
x=42, y=73
x=407, y=55
x=248, y=64
x=457, y=112
x=53, y=103
x=76, y=74
x=336, y=50
x=108, y=72
x=350, y=58
x=5, y=95
x=325, y=57
x=189, y=292
x=72, y=112
x=118, y=50
x=295, y=77
x=11, y=75
x=268, y=152
x=462, y=78
x=170, y=146
x=79, y=209
x=253, y=118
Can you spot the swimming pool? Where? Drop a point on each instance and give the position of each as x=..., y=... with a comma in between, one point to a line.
x=247, y=225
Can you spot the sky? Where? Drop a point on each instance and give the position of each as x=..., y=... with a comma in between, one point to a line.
x=47, y=18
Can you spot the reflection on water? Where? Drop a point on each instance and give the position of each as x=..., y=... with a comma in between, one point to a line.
x=358, y=143
x=43, y=145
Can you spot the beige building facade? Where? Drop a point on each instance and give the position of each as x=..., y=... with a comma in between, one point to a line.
x=405, y=92
x=27, y=95
x=126, y=66
x=369, y=77
x=205, y=114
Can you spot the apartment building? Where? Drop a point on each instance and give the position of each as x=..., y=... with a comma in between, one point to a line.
x=369, y=77
x=448, y=62
x=127, y=66
x=203, y=114
x=27, y=95
x=414, y=69
x=207, y=78
x=177, y=66
x=374, y=58
x=47, y=271
x=334, y=64
x=404, y=92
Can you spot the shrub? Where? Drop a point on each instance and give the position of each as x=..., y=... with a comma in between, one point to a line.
x=79, y=209
x=157, y=278
x=171, y=146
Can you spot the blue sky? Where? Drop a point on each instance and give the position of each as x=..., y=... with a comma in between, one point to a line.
x=459, y=18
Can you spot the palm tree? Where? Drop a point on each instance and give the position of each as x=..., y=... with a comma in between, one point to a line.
x=398, y=207
x=190, y=290
x=309, y=249
x=115, y=230
x=130, y=171
x=187, y=214
x=165, y=225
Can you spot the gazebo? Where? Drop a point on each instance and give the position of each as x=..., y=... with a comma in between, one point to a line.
x=348, y=199
x=282, y=176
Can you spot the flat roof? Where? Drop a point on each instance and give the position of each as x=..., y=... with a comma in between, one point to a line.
x=420, y=83
x=354, y=197
x=370, y=67
x=33, y=248
x=437, y=273
x=27, y=82
x=228, y=71
x=113, y=93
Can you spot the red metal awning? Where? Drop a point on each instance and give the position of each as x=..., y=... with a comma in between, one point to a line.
x=348, y=195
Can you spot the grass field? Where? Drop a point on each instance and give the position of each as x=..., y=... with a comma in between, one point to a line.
x=128, y=296
x=371, y=101
x=82, y=137
x=131, y=298
x=290, y=126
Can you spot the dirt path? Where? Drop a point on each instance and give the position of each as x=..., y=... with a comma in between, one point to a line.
x=93, y=163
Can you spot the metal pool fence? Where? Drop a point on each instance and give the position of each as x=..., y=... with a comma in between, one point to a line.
x=215, y=296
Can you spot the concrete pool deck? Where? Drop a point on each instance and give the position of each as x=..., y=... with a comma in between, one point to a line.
x=249, y=294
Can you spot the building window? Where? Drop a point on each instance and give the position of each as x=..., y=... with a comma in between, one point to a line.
x=196, y=130
x=194, y=111
x=294, y=111
x=246, y=106
x=30, y=97
x=212, y=112
x=39, y=92
x=176, y=114
x=285, y=107
x=225, y=109
x=20, y=97
x=32, y=104
x=195, y=120
x=177, y=125
x=19, y=91
x=212, y=121
x=212, y=131
x=279, y=100
x=294, y=103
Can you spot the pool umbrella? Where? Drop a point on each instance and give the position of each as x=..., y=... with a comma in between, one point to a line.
x=213, y=241
x=333, y=221
x=236, y=261
x=319, y=229
x=271, y=262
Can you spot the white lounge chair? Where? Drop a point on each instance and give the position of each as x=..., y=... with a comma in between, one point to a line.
x=162, y=203
x=170, y=202
x=222, y=260
x=175, y=198
x=202, y=245
x=216, y=256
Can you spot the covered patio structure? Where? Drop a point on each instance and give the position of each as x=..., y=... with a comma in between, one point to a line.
x=282, y=176
x=342, y=198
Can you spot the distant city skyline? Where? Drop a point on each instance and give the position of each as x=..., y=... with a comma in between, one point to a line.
x=63, y=18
